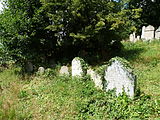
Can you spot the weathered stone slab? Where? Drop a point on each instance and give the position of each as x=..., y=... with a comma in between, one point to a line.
x=64, y=70
x=157, y=33
x=148, y=33
x=131, y=38
x=143, y=31
x=119, y=76
x=78, y=67
x=97, y=79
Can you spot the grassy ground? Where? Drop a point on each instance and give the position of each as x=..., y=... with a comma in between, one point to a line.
x=65, y=98
x=145, y=58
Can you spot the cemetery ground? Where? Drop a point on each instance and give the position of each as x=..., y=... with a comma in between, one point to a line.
x=53, y=97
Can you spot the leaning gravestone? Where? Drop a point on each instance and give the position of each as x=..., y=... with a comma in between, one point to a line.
x=79, y=67
x=97, y=79
x=148, y=33
x=157, y=33
x=64, y=70
x=119, y=76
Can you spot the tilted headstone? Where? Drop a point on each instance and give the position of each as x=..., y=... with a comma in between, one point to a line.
x=148, y=33
x=119, y=76
x=41, y=70
x=78, y=67
x=29, y=67
x=97, y=79
x=64, y=70
x=157, y=33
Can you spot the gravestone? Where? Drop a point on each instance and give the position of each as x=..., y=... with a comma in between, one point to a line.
x=148, y=33
x=143, y=31
x=64, y=70
x=29, y=67
x=41, y=70
x=119, y=76
x=97, y=79
x=79, y=67
x=132, y=37
x=157, y=33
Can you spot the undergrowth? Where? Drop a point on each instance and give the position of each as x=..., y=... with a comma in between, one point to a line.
x=53, y=97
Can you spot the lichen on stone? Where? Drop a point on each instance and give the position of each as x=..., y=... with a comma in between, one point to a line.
x=119, y=75
x=123, y=62
x=83, y=67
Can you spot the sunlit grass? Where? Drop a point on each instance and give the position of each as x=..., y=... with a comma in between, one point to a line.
x=66, y=98
x=147, y=65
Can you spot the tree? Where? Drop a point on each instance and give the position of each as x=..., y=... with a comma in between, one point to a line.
x=89, y=24
x=150, y=11
x=23, y=26
x=36, y=30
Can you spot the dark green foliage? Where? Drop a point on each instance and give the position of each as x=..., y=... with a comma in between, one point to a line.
x=150, y=11
x=38, y=31
x=23, y=30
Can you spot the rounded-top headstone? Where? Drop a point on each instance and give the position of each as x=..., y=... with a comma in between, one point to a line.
x=41, y=70
x=79, y=68
x=119, y=76
x=64, y=70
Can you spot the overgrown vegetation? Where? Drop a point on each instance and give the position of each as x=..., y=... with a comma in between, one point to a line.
x=56, y=97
